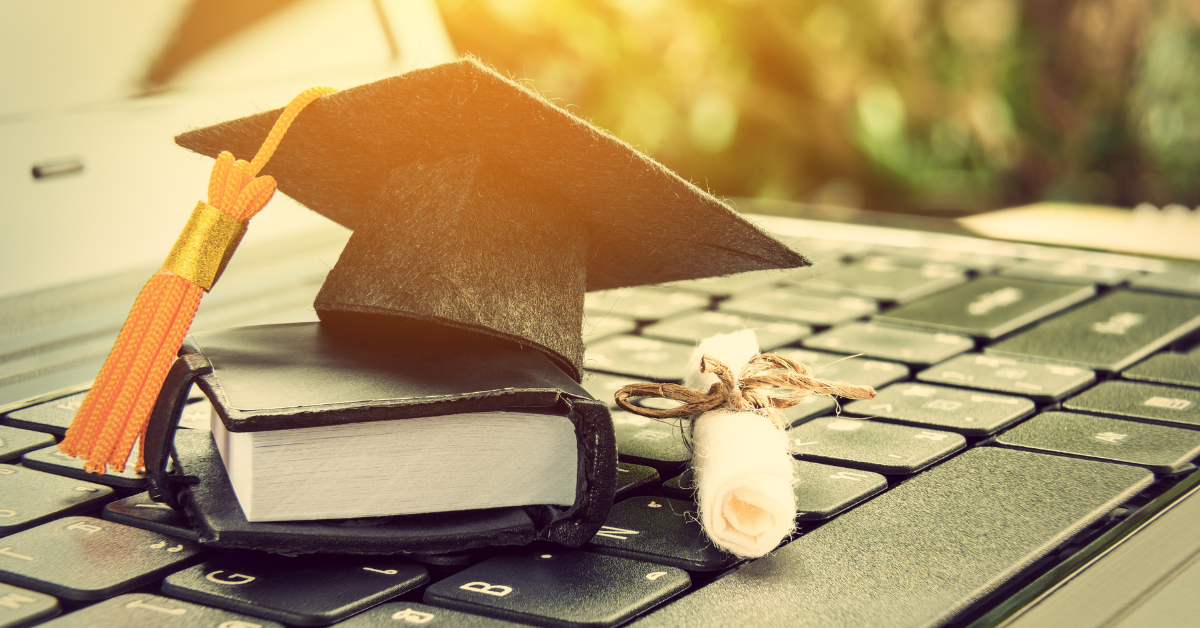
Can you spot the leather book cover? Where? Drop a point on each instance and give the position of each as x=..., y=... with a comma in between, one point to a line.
x=301, y=375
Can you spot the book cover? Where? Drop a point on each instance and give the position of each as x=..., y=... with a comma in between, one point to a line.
x=293, y=376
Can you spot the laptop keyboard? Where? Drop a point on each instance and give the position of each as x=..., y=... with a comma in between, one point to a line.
x=1031, y=399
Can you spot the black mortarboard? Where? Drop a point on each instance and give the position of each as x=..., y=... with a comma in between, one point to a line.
x=477, y=204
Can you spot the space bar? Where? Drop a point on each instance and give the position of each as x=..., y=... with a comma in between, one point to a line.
x=920, y=553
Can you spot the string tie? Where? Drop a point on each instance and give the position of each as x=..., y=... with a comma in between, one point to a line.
x=769, y=382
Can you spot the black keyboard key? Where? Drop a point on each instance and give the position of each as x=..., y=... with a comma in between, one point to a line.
x=144, y=610
x=1107, y=334
x=696, y=326
x=810, y=309
x=812, y=406
x=1069, y=271
x=1165, y=405
x=604, y=387
x=1041, y=382
x=650, y=442
x=887, y=279
x=681, y=486
x=1160, y=449
x=872, y=445
x=823, y=251
x=559, y=588
x=306, y=590
x=1180, y=369
x=15, y=442
x=22, y=607
x=659, y=530
x=643, y=304
x=399, y=614
x=596, y=327
x=822, y=490
x=53, y=416
x=1175, y=280
x=989, y=307
x=634, y=478
x=730, y=285
x=139, y=511
x=639, y=357
x=29, y=497
x=860, y=370
x=910, y=346
x=966, y=412
x=85, y=559
x=51, y=460
x=972, y=260
x=920, y=553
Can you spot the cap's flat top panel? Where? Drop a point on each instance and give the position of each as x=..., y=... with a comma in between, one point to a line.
x=297, y=365
x=338, y=156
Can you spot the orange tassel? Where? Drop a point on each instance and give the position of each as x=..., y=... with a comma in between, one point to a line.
x=114, y=414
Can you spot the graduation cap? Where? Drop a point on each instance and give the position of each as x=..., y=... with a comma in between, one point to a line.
x=480, y=210
x=477, y=205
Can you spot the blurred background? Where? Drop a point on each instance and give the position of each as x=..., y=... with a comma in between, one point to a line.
x=938, y=107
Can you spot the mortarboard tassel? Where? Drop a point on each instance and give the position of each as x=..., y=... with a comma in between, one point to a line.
x=116, y=409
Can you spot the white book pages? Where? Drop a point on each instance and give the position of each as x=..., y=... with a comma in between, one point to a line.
x=407, y=466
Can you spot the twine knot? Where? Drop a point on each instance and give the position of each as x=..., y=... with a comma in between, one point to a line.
x=759, y=386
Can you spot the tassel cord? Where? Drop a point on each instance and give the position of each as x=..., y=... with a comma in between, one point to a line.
x=115, y=413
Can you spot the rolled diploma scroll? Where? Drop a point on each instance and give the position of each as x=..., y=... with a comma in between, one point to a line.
x=741, y=462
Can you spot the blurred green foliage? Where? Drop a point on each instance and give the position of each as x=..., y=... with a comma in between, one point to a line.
x=932, y=106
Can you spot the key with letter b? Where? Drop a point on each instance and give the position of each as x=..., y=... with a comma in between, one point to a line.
x=559, y=588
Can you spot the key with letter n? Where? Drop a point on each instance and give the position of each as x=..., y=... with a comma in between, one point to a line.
x=661, y=531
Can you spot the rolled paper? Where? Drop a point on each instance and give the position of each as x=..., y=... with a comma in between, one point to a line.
x=740, y=460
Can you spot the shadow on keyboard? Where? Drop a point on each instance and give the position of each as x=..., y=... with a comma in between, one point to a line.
x=1033, y=402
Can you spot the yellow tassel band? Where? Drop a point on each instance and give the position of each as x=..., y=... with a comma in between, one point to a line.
x=205, y=246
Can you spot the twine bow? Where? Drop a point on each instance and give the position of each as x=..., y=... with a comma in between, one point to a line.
x=759, y=386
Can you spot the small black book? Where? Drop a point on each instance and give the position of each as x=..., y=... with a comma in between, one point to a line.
x=422, y=448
